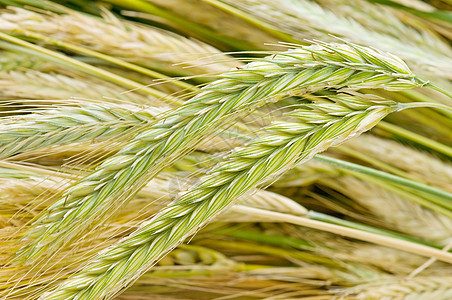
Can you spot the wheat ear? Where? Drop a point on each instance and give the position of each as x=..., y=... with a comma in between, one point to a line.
x=321, y=124
x=33, y=84
x=11, y=61
x=387, y=21
x=50, y=127
x=142, y=44
x=386, y=259
x=295, y=71
x=394, y=210
x=305, y=19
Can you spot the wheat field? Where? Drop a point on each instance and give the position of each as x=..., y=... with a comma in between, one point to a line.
x=225, y=149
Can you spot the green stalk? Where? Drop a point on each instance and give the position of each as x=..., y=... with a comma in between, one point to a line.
x=269, y=250
x=445, y=198
x=279, y=240
x=432, y=119
x=415, y=96
x=426, y=105
x=407, y=193
x=271, y=239
x=44, y=5
x=440, y=15
x=337, y=221
x=422, y=140
x=439, y=89
x=375, y=162
x=439, y=119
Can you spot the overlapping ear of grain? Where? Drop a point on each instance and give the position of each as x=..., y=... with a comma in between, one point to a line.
x=425, y=52
x=145, y=45
x=99, y=189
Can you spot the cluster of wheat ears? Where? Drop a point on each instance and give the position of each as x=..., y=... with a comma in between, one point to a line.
x=171, y=149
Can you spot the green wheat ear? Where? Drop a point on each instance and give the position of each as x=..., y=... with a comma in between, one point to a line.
x=311, y=129
x=61, y=126
x=295, y=72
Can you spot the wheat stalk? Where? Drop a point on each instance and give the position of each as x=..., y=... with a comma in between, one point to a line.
x=320, y=125
x=297, y=71
x=23, y=46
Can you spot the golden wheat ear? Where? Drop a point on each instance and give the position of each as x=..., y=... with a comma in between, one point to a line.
x=144, y=45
